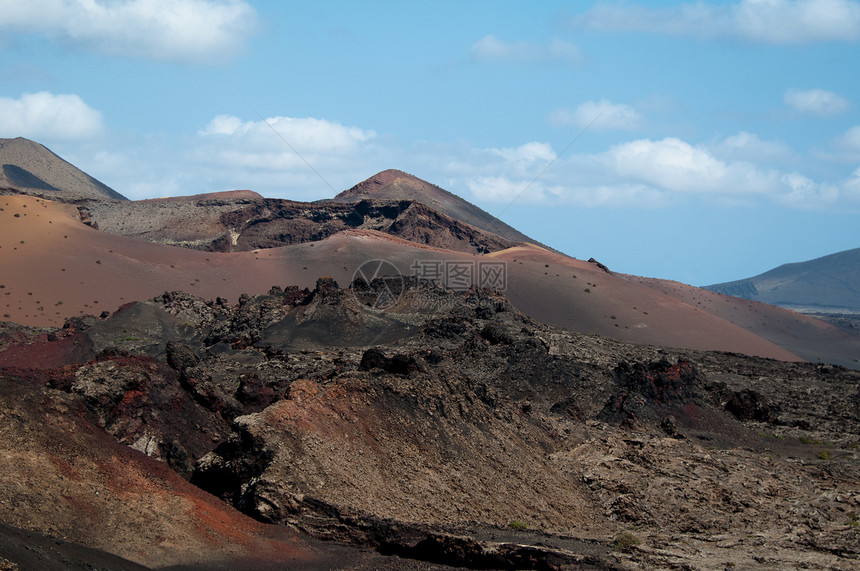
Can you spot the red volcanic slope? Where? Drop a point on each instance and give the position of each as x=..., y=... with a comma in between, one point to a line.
x=54, y=267
x=64, y=476
x=393, y=184
x=801, y=334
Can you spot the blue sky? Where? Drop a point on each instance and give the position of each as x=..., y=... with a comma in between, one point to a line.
x=724, y=137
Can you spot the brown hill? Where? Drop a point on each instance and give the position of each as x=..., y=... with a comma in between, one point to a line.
x=803, y=335
x=65, y=476
x=393, y=184
x=56, y=267
x=30, y=168
x=243, y=220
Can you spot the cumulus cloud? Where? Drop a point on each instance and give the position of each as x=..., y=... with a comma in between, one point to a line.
x=282, y=151
x=45, y=116
x=503, y=189
x=816, y=101
x=527, y=154
x=749, y=147
x=852, y=185
x=604, y=114
x=195, y=31
x=674, y=169
x=850, y=140
x=642, y=173
x=800, y=191
x=765, y=21
x=491, y=49
x=308, y=133
x=230, y=152
x=669, y=163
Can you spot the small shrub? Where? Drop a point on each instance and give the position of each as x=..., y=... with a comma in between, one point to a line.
x=824, y=454
x=518, y=525
x=587, y=290
x=625, y=541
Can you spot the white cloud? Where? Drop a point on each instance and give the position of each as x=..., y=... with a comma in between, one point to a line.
x=275, y=153
x=502, y=189
x=850, y=140
x=670, y=164
x=677, y=20
x=306, y=134
x=674, y=168
x=852, y=185
x=798, y=21
x=816, y=101
x=749, y=147
x=195, y=31
x=641, y=173
x=527, y=154
x=765, y=21
x=232, y=153
x=45, y=116
x=601, y=115
x=489, y=48
x=800, y=191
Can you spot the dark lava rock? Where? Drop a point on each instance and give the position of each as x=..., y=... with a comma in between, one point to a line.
x=748, y=404
x=647, y=391
x=399, y=364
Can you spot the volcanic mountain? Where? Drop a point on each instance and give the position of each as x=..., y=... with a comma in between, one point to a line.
x=393, y=184
x=183, y=382
x=99, y=254
x=30, y=168
x=827, y=284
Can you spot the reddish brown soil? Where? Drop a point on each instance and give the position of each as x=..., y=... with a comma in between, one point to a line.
x=55, y=267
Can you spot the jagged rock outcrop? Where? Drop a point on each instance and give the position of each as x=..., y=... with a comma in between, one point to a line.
x=463, y=432
x=247, y=222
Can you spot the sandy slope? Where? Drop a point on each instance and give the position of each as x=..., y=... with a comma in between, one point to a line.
x=52, y=266
x=70, y=479
x=805, y=336
x=26, y=165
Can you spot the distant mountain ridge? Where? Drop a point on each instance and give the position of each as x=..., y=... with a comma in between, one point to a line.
x=828, y=283
x=27, y=167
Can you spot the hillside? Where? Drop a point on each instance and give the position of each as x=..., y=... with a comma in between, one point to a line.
x=60, y=267
x=827, y=284
x=450, y=429
x=66, y=260
x=393, y=184
x=226, y=381
x=26, y=167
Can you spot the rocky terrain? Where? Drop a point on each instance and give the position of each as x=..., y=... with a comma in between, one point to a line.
x=451, y=429
x=244, y=221
x=164, y=405
x=395, y=185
